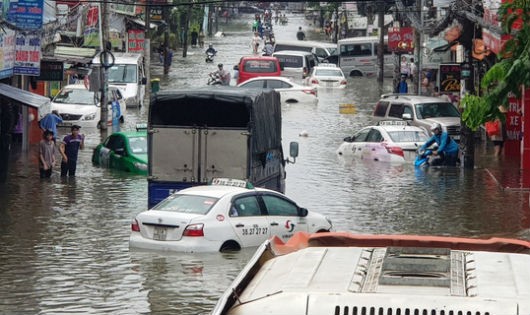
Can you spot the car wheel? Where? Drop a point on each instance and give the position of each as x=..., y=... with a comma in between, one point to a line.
x=230, y=246
x=356, y=73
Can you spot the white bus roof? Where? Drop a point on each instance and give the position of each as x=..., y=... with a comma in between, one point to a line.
x=345, y=274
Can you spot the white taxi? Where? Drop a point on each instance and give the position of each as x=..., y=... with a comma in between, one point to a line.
x=327, y=75
x=389, y=141
x=226, y=215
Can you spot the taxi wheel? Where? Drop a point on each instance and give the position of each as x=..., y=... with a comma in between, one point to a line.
x=230, y=246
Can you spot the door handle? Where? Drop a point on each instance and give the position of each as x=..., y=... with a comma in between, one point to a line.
x=274, y=223
x=240, y=225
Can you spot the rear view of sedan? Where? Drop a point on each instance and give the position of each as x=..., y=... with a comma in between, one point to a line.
x=390, y=141
x=226, y=215
x=327, y=76
x=290, y=92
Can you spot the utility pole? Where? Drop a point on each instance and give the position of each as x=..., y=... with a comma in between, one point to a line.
x=380, y=48
x=419, y=46
x=167, y=49
x=147, y=51
x=104, y=65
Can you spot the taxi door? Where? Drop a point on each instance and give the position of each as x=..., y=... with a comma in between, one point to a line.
x=283, y=216
x=248, y=222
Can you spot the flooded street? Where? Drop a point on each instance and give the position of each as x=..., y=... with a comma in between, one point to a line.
x=64, y=242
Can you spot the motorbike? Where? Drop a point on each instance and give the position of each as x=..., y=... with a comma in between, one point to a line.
x=209, y=57
x=425, y=158
x=214, y=79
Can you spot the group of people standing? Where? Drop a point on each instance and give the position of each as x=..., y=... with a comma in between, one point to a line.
x=262, y=31
x=68, y=147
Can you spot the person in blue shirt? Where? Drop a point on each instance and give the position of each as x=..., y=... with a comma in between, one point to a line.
x=50, y=121
x=402, y=87
x=447, y=148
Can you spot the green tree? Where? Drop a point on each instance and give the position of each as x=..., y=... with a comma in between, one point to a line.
x=507, y=76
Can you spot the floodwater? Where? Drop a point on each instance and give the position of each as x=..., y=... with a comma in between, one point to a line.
x=64, y=243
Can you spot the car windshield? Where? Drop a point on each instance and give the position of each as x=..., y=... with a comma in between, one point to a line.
x=408, y=136
x=333, y=51
x=138, y=145
x=442, y=109
x=75, y=96
x=328, y=72
x=186, y=204
x=122, y=74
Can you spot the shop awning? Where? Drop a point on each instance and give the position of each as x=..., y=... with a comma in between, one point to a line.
x=27, y=98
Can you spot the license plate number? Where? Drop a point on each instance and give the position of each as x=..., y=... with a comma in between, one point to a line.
x=160, y=234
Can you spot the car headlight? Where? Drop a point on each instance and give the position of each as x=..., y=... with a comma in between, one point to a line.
x=140, y=166
x=90, y=116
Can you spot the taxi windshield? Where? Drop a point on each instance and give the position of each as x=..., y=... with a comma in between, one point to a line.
x=75, y=96
x=186, y=204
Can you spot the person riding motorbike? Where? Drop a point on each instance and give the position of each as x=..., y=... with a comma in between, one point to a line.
x=222, y=74
x=211, y=50
x=447, y=150
x=210, y=53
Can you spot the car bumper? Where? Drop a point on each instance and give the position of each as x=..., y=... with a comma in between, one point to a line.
x=185, y=244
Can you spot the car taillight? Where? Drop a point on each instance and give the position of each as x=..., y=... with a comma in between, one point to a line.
x=314, y=81
x=305, y=72
x=395, y=150
x=135, y=227
x=311, y=91
x=343, y=82
x=194, y=230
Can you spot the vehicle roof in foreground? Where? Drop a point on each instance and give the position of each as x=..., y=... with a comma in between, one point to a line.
x=342, y=273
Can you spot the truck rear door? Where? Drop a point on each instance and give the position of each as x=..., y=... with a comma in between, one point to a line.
x=224, y=153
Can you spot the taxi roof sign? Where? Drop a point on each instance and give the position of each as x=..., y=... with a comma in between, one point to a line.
x=393, y=123
x=231, y=182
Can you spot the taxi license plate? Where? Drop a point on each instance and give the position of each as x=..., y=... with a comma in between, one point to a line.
x=160, y=233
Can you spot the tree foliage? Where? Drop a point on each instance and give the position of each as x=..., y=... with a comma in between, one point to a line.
x=510, y=74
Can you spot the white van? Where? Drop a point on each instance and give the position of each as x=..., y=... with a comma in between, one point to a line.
x=324, y=51
x=358, y=56
x=296, y=64
x=127, y=74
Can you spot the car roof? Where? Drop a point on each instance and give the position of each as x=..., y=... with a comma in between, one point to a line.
x=75, y=86
x=395, y=127
x=292, y=52
x=413, y=98
x=245, y=58
x=284, y=79
x=217, y=191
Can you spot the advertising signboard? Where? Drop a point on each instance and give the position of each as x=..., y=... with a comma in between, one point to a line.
x=7, y=52
x=27, y=55
x=449, y=78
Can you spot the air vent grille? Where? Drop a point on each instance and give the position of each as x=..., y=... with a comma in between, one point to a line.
x=365, y=310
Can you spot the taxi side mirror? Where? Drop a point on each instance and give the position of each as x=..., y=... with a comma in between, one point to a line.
x=406, y=116
x=303, y=212
x=349, y=139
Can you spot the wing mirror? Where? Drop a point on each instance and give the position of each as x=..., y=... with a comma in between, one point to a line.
x=303, y=212
x=349, y=139
x=293, y=152
x=406, y=116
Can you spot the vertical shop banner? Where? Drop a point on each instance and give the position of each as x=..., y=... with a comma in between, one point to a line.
x=136, y=41
x=91, y=33
x=449, y=78
x=27, y=55
x=7, y=52
x=513, y=126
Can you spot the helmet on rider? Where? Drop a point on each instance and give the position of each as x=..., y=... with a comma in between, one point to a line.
x=220, y=65
x=210, y=45
x=435, y=126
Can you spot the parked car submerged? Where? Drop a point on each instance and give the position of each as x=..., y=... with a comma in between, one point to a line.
x=390, y=141
x=290, y=92
x=226, y=215
x=327, y=76
x=79, y=106
x=420, y=111
x=124, y=150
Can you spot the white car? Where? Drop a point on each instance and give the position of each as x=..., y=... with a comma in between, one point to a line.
x=327, y=76
x=226, y=215
x=79, y=106
x=390, y=141
x=290, y=92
